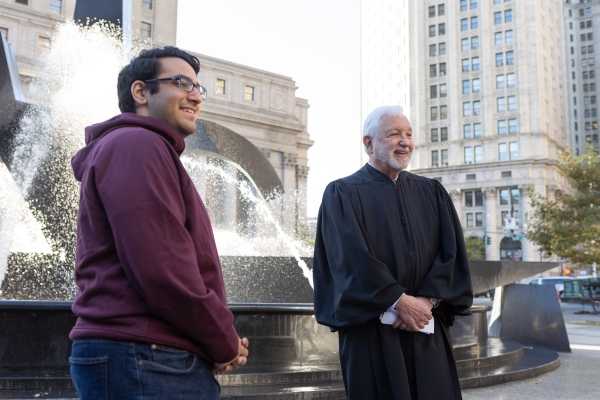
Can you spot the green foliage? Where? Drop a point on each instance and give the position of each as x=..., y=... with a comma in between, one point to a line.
x=475, y=248
x=569, y=225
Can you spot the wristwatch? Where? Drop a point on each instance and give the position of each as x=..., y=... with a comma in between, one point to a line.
x=434, y=302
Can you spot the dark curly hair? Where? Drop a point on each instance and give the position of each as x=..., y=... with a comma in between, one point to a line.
x=145, y=66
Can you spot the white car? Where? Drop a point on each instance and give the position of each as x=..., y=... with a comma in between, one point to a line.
x=557, y=281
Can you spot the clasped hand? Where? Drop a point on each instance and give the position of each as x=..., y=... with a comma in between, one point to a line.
x=413, y=313
x=239, y=361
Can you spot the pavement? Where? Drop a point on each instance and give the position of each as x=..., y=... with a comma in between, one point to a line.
x=578, y=376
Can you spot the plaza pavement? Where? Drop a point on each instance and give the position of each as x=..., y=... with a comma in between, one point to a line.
x=578, y=376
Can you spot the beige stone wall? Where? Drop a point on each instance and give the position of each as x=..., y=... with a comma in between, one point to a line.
x=541, y=106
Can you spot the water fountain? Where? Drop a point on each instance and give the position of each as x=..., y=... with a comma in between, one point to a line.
x=267, y=271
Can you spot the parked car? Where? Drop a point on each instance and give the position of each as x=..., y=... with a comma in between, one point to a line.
x=557, y=281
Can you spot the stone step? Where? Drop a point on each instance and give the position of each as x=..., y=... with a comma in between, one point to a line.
x=282, y=375
x=493, y=352
x=535, y=361
x=306, y=391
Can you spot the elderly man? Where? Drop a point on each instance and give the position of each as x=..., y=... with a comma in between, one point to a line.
x=390, y=261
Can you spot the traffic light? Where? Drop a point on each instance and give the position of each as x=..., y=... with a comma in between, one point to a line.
x=488, y=240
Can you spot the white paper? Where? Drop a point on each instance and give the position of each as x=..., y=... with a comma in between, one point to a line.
x=389, y=317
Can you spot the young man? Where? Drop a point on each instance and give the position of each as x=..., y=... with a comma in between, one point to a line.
x=152, y=312
x=389, y=244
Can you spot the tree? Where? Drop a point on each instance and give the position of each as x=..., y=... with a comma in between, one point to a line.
x=569, y=225
x=475, y=248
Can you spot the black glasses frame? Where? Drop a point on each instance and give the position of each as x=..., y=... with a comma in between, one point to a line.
x=188, y=88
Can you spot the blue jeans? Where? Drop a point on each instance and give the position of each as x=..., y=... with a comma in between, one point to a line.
x=107, y=369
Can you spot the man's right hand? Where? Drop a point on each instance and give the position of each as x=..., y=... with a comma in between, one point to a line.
x=414, y=313
x=239, y=361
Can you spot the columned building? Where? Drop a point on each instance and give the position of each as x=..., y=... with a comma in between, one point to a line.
x=258, y=105
x=488, y=107
x=490, y=115
x=581, y=25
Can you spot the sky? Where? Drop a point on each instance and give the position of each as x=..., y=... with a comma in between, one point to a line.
x=316, y=43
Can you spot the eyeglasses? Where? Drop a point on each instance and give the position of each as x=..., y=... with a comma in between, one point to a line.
x=184, y=84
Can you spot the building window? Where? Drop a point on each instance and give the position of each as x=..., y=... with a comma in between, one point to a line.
x=442, y=48
x=431, y=30
x=475, y=63
x=502, y=152
x=497, y=17
x=506, y=174
x=478, y=219
x=434, y=134
x=499, y=81
x=445, y=157
x=466, y=86
x=582, y=38
x=442, y=29
x=4, y=32
x=147, y=4
x=443, y=90
x=473, y=4
x=56, y=6
x=478, y=154
x=588, y=24
x=510, y=80
x=464, y=44
x=443, y=113
x=467, y=132
x=468, y=151
x=477, y=129
x=475, y=42
x=434, y=113
x=465, y=65
x=442, y=69
x=431, y=11
x=588, y=11
x=435, y=162
x=511, y=103
x=509, y=37
x=433, y=70
x=510, y=196
x=510, y=57
x=499, y=59
x=432, y=50
x=583, y=49
x=476, y=107
x=441, y=9
x=433, y=91
x=220, y=86
x=444, y=134
x=469, y=220
x=498, y=38
x=508, y=16
x=590, y=36
x=43, y=44
x=512, y=126
x=591, y=48
x=514, y=150
x=476, y=85
x=24, y=2
x=502, y=127
x=467, y=109
x=470, y=177
x=146, y=30
x=249, y=93
x=463, y=5
x=464, y=24
x=501, y=104
x=474, y=22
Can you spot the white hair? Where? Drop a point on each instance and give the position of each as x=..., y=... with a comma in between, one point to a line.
x=373, y=121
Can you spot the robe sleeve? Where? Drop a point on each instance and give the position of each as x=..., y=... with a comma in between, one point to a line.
x=449, y=278
x=351, y=285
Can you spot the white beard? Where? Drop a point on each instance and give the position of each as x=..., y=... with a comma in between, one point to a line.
x=382, y=154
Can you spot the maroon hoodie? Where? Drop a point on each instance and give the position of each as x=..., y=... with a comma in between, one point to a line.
x=147, y=266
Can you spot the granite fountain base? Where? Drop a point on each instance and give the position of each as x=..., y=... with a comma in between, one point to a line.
x=293, y=357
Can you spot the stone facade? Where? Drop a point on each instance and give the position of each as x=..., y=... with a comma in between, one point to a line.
x=271, y=117
x=488, y=106
x=582, y=24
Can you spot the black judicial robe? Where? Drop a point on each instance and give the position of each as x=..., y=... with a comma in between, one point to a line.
x=377, y=239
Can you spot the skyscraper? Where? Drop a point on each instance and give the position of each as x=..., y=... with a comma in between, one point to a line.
x=581, y=20
x=488, y=108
